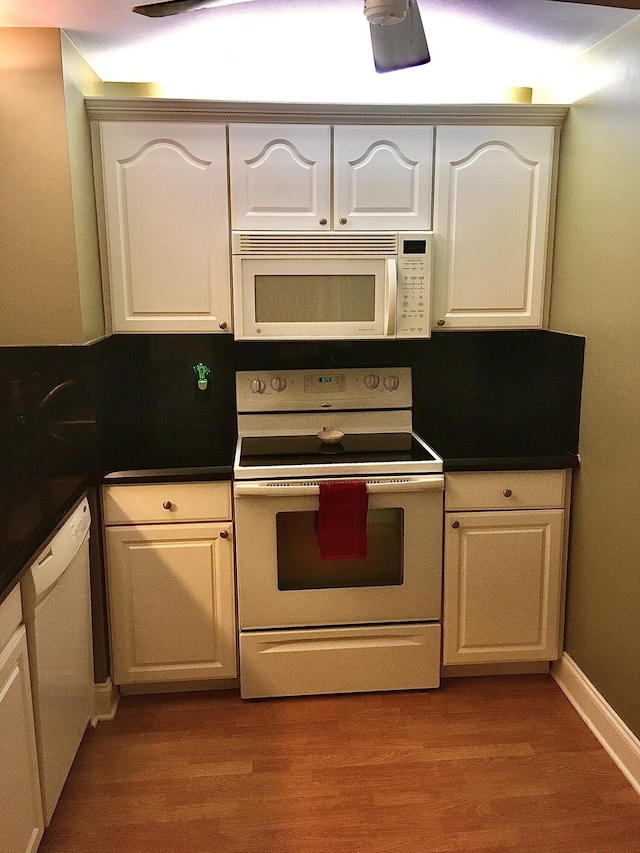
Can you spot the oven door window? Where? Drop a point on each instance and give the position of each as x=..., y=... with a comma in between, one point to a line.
x=298, y=558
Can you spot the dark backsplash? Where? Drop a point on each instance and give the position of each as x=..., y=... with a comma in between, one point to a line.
x=471, y=389
x=47, y=413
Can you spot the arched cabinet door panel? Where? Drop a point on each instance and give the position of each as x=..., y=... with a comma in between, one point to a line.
x=491, y=220
x=166, y=223
x=280, y=177
x=382, y=178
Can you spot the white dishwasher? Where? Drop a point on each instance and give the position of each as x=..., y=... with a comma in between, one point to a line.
x=56, y=604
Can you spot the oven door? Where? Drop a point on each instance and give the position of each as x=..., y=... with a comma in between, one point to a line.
x=282, y=582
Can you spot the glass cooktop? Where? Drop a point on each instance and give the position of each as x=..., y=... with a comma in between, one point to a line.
x=352, y=448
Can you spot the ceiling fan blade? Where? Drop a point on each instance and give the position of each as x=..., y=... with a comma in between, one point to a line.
x=402, y=45
x=176, y=7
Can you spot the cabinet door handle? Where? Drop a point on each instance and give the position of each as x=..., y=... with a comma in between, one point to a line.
x=224, y=534
x=343, y=220
x=440, y=322
x=507, y=493
x=455, y=524
x=167, y=505
x=323, y=222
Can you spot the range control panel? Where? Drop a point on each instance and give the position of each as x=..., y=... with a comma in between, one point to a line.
x=414, y=285
x=315, y=390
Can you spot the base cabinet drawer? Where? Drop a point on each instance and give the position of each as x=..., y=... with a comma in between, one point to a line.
x=505, y=490
x=166, y=503
x=339, y=660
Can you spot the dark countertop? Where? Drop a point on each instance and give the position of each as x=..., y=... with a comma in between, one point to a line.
x=169, y=475
x=31, y=511
x=472, y=447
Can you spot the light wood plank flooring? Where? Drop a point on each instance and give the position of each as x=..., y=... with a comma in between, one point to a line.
x=482, y=764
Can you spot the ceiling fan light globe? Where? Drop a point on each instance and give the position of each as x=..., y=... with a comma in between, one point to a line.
x=385, y=12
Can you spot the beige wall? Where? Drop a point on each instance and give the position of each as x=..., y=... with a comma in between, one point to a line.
x=47, y=275
x=596, y=293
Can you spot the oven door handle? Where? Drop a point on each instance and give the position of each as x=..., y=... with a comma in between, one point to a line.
x=267, y=490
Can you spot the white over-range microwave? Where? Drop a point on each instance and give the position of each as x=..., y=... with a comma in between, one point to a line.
x=332, y=285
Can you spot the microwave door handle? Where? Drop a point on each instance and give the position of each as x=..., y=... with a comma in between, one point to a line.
x=392, y=296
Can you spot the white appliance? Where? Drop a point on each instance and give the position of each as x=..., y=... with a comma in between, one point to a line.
x=314, y=625
x=56, y=603
x=333, y=285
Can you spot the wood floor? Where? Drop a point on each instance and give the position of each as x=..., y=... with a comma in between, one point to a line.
x=482, y=764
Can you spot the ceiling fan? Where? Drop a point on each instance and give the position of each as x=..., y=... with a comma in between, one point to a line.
x=397, y=35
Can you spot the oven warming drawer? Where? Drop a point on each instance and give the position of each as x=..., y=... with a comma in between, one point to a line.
x=339, y=660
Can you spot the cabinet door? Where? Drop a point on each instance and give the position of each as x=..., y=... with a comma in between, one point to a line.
x=167, y=226
x=502, y=586
x=172, y=605
x=382, y=178
x=280, y=177
x=491, y=218
x=21, y=822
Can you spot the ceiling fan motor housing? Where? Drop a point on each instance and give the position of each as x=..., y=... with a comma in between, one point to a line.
x=385, y=11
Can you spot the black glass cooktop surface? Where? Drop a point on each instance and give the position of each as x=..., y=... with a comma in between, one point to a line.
x=309, y=450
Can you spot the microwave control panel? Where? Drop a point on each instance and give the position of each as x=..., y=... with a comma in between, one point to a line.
x=414, y=285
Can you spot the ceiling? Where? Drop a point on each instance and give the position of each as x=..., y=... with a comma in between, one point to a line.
x=319, y=50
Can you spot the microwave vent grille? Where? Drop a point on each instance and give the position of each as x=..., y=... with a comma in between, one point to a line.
x=310, y=243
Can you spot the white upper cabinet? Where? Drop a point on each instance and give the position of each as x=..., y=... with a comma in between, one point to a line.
x=280, y=177
x=382, y=178
x=167, y=226
x=295, y=177
x=491, y=220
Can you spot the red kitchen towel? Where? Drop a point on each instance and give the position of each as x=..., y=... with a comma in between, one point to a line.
x=342, y=520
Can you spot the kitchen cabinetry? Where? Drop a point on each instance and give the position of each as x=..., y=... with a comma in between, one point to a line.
x=171, y=583
x=21, y=820
x=316, y=178
x=492, y=197
x=166, y=229
x=504, y=566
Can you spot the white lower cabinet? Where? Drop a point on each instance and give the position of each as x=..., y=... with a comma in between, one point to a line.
x=504, y=566
x=171, y=583
x=21, y=820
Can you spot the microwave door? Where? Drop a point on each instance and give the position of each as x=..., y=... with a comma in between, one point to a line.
x=320, y=298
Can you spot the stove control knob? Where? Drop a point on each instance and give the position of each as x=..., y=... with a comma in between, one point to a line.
x=371, y=381
x=278, y=383
x=257, y=386
x=391, y=382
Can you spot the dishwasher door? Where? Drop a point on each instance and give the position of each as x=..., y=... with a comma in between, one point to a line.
x=56, y=599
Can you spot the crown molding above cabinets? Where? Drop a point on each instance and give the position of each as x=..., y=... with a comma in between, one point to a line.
x=164, y=109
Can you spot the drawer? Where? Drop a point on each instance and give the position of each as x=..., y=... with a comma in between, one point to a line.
x=504, y=490
x=339, y=660
x=167, y=503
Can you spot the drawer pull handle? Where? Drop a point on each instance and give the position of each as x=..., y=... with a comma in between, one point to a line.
x=167, y=505
x=507, y=493
x=455, y=524
x=224, y=534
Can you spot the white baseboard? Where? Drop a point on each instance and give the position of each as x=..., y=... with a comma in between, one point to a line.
x=614, y=735
x=106, y=698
